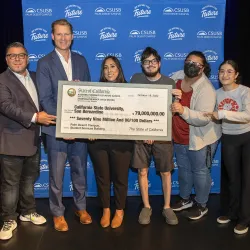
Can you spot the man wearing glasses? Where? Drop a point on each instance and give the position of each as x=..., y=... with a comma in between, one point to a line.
x=162, y=151
x=63, y=64
x=20, y=117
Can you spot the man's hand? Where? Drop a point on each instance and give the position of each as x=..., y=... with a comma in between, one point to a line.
x=150, y=142
x=45, y=119
x=176, y=107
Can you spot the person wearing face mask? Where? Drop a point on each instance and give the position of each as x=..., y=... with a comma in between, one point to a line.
x=111, y=158
x=195, y=136
x=233, y=109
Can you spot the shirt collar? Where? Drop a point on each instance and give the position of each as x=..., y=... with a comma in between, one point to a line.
x=60, y=56
x=19, y=76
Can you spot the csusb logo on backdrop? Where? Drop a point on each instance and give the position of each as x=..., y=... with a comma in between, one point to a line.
x=175, y=56
x=38, y=12
x=137, y=55
x=80, y=34
x=142, y=34
x=214, y=77
x=176, y=11
x=39, y=35
x=137, y=186
x=142, y=10
x=176, y=33
x=211, y=56
x=73, y=11
x=209, y=11
x=35, y=57
x=209, y=34
x=101, y=56
x=108, y=11
x=41, y=186
x=107, y=34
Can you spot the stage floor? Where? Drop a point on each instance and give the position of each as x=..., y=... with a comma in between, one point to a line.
x=204, y=234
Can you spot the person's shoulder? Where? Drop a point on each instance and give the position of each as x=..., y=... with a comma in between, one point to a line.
x=167, y=80
x=137, y=77
x=45, y=58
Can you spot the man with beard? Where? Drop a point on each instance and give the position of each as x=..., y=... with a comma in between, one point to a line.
x=162, y=151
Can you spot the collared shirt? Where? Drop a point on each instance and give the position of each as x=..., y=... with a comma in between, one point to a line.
x=30, y=87
x=66, y=65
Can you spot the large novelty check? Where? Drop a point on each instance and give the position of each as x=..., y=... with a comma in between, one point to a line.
x=123, y=111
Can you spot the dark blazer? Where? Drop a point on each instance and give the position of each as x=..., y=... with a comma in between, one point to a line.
x=18, y=136
x=49, y=71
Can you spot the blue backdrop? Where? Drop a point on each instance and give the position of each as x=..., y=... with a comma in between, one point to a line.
x=123, y=28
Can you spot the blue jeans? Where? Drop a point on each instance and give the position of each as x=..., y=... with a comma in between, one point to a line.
x=193, y=171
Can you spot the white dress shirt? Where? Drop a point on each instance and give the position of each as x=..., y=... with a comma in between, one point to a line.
x=66, y=65
x=30, y=87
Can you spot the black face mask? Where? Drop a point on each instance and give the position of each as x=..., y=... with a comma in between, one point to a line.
x=191, y=70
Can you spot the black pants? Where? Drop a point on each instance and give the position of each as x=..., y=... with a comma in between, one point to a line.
x=18, y=175
x=236, y=160
x=111, y=161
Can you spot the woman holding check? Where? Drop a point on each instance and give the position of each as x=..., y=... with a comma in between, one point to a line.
x=111, y=158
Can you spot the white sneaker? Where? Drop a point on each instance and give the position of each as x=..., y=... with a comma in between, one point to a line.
x=35, y=218
x=7, y=229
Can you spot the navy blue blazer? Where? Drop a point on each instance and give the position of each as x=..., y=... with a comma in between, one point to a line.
x=49, y=71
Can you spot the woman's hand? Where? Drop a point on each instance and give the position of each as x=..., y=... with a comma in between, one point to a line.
x=213, y=115
x=149, y=142
x=176, y=107
x=177, y=93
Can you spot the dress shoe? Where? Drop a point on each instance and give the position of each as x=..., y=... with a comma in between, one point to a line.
x=85, y=218
x=60, y=224
x=105, y=220
x=117, y=220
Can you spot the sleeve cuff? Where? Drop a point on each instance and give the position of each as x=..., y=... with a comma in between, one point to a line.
x=221, y=114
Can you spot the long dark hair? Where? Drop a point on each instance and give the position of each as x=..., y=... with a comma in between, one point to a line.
x=120, y=78
x=207, y=68
x=235, y=66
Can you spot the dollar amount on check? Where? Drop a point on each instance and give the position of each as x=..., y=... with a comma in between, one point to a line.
x=119, y=111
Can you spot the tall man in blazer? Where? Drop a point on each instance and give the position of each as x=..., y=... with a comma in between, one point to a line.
x=63, y=64
x=19, y=140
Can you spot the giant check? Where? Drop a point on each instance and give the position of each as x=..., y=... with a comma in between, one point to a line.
x=114, y=111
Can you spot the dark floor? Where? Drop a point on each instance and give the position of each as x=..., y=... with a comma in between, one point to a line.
x=199, y=235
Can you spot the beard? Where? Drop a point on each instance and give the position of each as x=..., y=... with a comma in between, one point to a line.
x=150, y=74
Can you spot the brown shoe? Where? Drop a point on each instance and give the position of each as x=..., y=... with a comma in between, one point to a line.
x=85, y=218
x=60, y=224
x=117, y=220
x=105, y=220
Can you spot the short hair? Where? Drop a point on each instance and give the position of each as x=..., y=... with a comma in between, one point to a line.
x=16, y=45
x=207, y=68
x=148, y=52
x=61, y=22
x=235, y=66
x=120, y=78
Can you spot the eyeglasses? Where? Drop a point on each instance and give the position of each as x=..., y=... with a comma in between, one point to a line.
x=195, y=63
x=14, y=56
x=147, y=62
x=229, y=72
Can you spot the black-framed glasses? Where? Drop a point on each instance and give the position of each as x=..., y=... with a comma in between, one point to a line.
x=14, y=56
x=195, y=63
x=147, y=62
